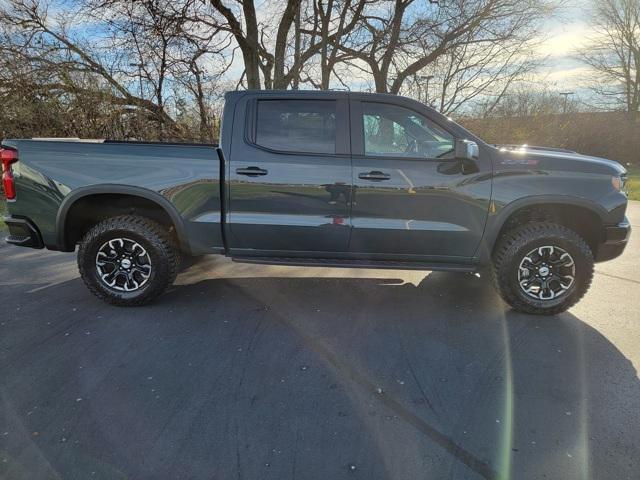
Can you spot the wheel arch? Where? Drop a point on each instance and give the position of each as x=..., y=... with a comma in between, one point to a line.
x=66, y=238
x=566, y=210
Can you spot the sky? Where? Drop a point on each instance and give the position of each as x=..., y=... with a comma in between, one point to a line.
x=563, y=35
x=566, y=31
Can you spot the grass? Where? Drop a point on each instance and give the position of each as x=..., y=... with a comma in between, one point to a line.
x=633, y=184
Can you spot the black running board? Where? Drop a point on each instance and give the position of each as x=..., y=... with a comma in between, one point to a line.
x=356, y=263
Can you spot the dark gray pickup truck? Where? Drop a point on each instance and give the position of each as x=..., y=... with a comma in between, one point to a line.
x=321, y=179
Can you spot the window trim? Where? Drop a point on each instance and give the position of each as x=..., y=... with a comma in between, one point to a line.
x=357, y=129
x=342, y=125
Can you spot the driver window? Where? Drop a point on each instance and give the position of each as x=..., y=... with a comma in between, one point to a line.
x=395, y=131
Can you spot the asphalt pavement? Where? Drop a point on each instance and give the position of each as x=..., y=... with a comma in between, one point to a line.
x=259, y=372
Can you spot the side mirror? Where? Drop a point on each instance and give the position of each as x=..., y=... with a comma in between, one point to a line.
x=466, y=150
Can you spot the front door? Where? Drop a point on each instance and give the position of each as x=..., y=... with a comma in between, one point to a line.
x=290, y=177
x=411, y=198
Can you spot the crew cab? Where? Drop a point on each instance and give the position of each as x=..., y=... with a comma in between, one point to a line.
x=321, y=178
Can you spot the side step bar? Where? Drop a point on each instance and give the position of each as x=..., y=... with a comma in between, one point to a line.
x=356, y=263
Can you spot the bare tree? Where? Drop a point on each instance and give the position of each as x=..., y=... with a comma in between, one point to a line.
x=401, y=38
x=328, y=24
x=193, y=76
x=30, y=107
x=246, y=36
x=473, y=73
x=145, y=58
x=291, y=39
x=53, y=51
x=240, y=19
x=174, y=49
x=526, y=100
x=156, y=67
x=614, y=53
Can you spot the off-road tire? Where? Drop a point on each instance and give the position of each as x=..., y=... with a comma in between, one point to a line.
x=152, y=236
x=514, y=245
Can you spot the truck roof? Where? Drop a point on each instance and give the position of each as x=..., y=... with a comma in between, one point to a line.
x=311, y=93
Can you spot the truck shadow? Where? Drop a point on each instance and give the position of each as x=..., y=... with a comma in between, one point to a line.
x=338, y=378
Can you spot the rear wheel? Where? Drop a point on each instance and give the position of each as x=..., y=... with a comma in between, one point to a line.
x=127, y=260
x=542, y=268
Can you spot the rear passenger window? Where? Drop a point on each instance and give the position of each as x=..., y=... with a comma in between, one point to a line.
x=307, y=126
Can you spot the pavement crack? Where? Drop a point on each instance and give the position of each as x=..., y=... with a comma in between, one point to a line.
x=238, y=462
x=618, y=277
x=463, y=455
x=422, y=392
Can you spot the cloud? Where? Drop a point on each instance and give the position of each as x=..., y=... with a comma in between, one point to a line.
x=565, y=41
x=559, y=47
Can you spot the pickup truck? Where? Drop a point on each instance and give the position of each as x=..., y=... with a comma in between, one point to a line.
x=321, y=178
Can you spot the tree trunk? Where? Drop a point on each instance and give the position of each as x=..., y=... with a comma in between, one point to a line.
x=251, y=68
x=296, y=51
x=250, y=52
x=325, y=68
x=380, y=80
x=248, y=42
x=290, y=12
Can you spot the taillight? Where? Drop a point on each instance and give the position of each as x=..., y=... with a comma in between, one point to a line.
x=8, y=156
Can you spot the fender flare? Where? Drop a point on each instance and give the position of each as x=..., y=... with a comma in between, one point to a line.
x=497, y=221
x=118, y=189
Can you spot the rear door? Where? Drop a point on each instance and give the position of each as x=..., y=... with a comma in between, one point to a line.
x=290, y=176
x=412, y=198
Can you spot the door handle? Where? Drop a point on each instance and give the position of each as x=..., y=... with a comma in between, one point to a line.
x=251, y=171
x=374, y=176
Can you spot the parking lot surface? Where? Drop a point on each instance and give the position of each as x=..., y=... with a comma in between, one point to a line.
x=260, y=372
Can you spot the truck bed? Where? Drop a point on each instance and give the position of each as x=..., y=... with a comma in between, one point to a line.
x=52, y=175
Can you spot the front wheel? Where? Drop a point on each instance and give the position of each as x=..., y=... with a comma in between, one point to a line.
x=542, y=268
x=127, y=260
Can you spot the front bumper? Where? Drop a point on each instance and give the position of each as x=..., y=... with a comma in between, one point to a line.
x=616, y=238
x=23, y=233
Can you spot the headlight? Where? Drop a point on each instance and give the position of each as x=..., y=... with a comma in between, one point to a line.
x=619, y=182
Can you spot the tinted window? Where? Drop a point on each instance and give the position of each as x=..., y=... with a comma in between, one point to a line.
x=390, y=130
x=297, y=125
